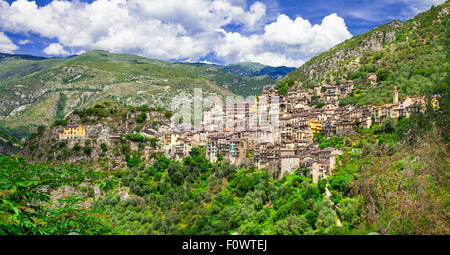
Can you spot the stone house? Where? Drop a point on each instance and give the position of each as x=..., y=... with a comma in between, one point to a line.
x=72, y=132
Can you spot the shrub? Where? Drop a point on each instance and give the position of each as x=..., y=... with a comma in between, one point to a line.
x=320, y=105
x=20, y=217
x=60, y=123
x=321, y=185
x=104, y=147
x=134, y=160
x=383, y=74
x=387, y=125
x=282, y=89
x=62, y=144
x=154, y=141
x=87, y=150
x=141, y=117
x=76, y=147
x=136, y=137
x=125, y=149
x=168, y=114
x=138, y=127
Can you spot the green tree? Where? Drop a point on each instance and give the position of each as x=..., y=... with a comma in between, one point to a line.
x=25, y=206
x=383, y=74
x=104, y=147
x=87, y=150
x=388, y=125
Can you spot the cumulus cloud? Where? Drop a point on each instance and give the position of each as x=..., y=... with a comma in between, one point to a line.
x=171, y=29
x=257, y=11
x=284, y=42
x=6, y=45
x=55, y=49
x=300, y=32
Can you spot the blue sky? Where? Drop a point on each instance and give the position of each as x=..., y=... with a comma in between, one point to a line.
x=273, y=32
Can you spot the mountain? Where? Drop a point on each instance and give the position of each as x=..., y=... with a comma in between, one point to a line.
x=17, y=66
x=240, y=84
x=35, y=91
x=252, y=69
x=412, y=55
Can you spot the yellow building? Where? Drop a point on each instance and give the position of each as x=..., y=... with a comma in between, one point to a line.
x=72, y=132
x=315, y=125
x=435, y=102
x=167, y=139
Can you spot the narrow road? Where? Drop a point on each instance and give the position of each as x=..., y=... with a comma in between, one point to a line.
x=328, y=195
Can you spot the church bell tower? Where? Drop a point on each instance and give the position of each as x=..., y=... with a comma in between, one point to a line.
x=395, y=98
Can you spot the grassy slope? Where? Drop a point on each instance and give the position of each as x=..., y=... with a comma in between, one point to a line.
x=55, y=87
x=244, y=86
x=16, y=66
x=62, y=85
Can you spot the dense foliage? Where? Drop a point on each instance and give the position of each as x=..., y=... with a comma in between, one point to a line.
x=256, y=69
x=392, y=178
x=26, y=206
x=197, y=197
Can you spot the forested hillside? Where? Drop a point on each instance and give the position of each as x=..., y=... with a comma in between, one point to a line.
x=411, y=55
x=390, y=179
x=9, y=144
x=256, y=69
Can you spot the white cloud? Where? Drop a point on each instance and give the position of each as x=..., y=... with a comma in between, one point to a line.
x=273, y=59
x=285, y=41
x=173, y=29
x=300, y=32
x=6, y=45
x=55, y=49
x=257, y=12
x=23, y=42
x=234, y=46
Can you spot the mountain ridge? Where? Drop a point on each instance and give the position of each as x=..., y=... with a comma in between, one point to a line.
x=256, y=69
x=35, y=92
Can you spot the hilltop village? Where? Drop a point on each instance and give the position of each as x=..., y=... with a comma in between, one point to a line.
x=277, y=132
x=270, y=131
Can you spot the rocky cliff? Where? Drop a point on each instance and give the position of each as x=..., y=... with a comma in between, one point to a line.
x=318, y=67
x=113, y=134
